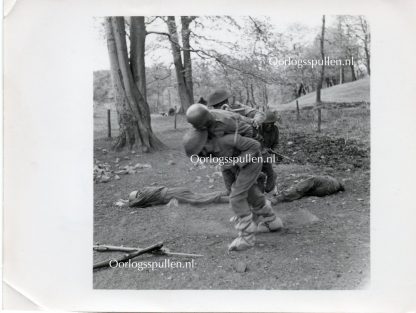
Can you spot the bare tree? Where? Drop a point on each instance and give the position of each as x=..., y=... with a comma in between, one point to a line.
x=133, y=110
x=366, y=41
x=184, y=94
x=137, y=51
x=321, y=77
x=187, y=61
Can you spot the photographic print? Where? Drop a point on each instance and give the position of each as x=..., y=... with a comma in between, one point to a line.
x=231, y=152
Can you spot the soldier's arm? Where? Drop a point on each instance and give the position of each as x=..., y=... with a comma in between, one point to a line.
x=249, y=148
x=251, y=114
x=244, y=128
x=255, y=115
x=259, y=117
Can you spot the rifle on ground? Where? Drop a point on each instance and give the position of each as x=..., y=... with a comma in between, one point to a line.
x=280, y=155
x=129, y=256
x=156, y=249
x=161, y=250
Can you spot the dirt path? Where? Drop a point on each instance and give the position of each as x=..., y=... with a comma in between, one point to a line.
x=325, y=244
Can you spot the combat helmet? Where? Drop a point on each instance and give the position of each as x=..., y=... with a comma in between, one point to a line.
x=194, y=140
x=218, y=96
x=271, y=117
x=198, y=115
x=133, y=195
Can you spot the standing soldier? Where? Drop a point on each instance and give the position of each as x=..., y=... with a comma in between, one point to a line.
x=219, y=123
x=269, y=131
x=269, y=134
x=253, y=212
x=219, y=99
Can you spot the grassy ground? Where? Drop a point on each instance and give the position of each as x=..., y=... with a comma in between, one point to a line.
x=349, y=123
x=357, y=91
x=331, y=253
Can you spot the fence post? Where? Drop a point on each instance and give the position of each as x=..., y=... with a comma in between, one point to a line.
x=109, y=123
x=319, y=117
x=174, y=124
x=297, y=110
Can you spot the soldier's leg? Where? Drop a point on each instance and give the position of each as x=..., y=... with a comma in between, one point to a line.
x=228, y=176
x=267, y=169
x=270, y=176
x=244, y=224
x=261, y=207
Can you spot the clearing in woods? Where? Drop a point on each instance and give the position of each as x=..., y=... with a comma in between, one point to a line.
x=326, y=241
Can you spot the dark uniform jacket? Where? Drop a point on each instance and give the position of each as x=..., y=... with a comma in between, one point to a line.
x=226, y=122
x=270, y=139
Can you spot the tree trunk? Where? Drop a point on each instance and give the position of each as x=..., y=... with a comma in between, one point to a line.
x=341, y=75
x=137, y=50
x=265, y=97
x=321, y=78
x=252, y=96
x=133, y=111
x=297, y=110
x=187, y=61
x=367, y=57
x=247, y=102
x=364, y=27
x=184, y=96
x=353, y=76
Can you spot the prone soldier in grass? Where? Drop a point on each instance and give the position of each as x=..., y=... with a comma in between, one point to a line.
x=253, y=212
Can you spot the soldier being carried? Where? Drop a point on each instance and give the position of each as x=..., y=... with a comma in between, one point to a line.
x=219, y=99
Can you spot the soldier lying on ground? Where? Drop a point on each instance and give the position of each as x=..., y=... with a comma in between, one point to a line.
x=149, y=196
x=318, y=186
x=253, y=212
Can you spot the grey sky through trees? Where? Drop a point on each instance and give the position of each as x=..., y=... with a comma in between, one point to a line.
x=222, y=31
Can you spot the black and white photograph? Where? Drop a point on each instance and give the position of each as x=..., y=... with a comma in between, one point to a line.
x=231, y=152
x=208, y=156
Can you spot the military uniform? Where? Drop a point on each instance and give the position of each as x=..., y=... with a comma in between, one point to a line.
x=270, y=136
x=226, y=122
x=246, y=198
x=219, y=100
x=318, y=186
x=248, y=112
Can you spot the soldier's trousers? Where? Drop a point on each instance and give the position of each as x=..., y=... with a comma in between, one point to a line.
x=246, y=196
x=267, y=169
x=266, y=184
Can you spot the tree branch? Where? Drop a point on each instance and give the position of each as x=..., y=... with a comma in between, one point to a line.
x=158, y=33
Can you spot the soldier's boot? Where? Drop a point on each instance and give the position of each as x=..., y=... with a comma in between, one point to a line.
x=269, y=221
x=246, y=229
